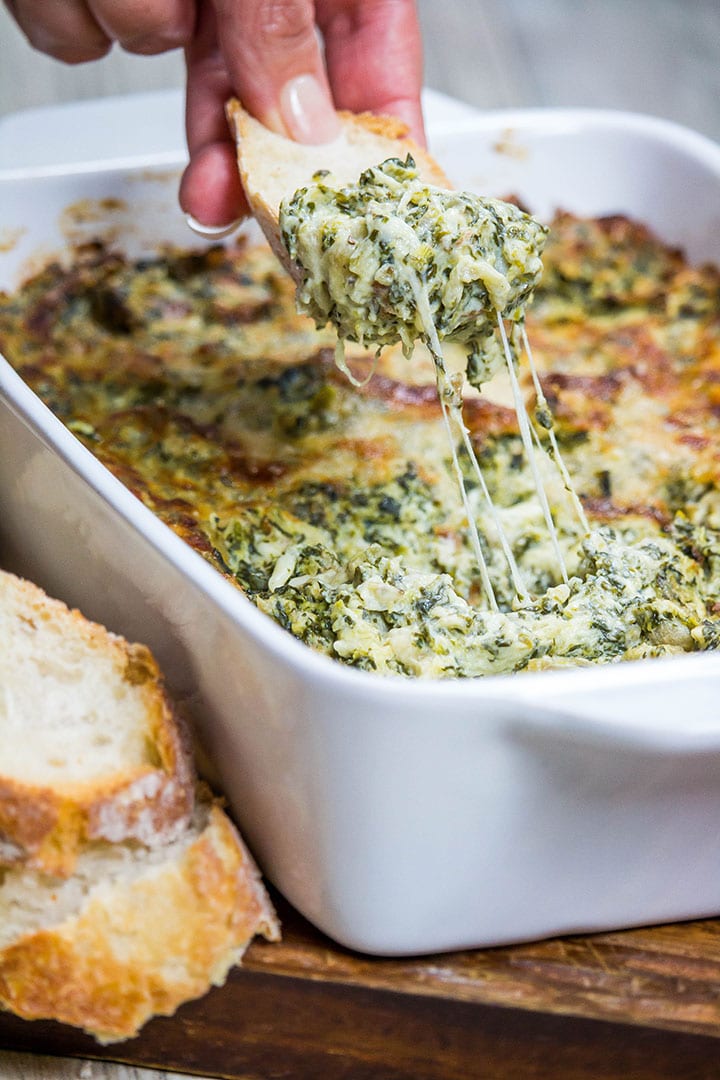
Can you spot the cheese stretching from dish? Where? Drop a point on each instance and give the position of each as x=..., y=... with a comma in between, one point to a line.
x=392, y=259
x=334, y=507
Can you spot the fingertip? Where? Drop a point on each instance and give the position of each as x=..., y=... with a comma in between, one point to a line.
x=210, y=189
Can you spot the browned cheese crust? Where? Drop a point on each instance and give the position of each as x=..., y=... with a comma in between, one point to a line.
x=628, y=336
x=191, y=377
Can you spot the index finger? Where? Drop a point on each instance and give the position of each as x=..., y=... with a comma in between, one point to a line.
x=275, y=62
x=373, y=53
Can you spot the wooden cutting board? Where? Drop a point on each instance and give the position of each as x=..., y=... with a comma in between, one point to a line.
x=641, y=1003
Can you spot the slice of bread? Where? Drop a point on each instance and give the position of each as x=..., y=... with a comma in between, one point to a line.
x=273, y=167
x=134, y=931
x=91, y=748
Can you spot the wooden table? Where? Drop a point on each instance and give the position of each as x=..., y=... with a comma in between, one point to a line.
x=639, y=1004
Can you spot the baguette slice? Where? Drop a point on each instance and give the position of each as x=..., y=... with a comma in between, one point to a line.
x=91, y=748
x=272, y=167
x=134, y=932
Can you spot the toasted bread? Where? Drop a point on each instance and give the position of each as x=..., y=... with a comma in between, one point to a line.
x=134, y=931
x=272, y=167
x=91, y=747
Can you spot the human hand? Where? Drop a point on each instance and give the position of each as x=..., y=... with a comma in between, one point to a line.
x=267, y=52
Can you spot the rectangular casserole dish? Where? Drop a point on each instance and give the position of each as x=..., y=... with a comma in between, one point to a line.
x=400, y=817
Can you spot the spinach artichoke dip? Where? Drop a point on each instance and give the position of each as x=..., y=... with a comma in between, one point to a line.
x=334, y=507
x=392, y=258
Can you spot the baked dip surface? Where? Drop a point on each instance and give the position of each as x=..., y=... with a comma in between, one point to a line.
x=334, y=507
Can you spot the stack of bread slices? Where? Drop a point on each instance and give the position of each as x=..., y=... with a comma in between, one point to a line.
x=124, y=888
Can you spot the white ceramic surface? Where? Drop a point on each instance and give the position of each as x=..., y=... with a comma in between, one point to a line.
x=114, y=132
x=399, y=816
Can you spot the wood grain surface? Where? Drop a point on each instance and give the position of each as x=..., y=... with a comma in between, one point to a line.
x=637, y=1004
x=641, y=1003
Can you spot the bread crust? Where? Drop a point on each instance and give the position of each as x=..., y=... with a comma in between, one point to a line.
x=272, y=167
x=45, y=826
x=143, y=947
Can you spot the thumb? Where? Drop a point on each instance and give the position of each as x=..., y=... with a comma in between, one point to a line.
x=273, y=57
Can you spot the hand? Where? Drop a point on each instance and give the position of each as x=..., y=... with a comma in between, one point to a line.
x=266, y=52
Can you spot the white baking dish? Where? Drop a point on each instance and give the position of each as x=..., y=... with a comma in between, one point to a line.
x=400, y=816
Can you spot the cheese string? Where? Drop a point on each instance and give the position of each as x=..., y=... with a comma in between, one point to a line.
x=371, y=246
x=526, y=436
x=515, y=573
x=449, y=405
x=541, y=403
x=342, y=365
x=472, y=524
x=451, y=408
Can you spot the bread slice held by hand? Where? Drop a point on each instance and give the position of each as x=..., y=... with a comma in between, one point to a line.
x=91, y=748
x=134, y=931
x=272, y=167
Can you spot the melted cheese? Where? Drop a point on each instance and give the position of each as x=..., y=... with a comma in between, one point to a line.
x=394, y=259
x=335, y=509
x=390, y=257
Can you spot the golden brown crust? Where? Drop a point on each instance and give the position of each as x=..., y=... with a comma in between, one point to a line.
x=143, y=947
x=28, y=817
x=46, y=826
x=387, y=126
x=390, y=128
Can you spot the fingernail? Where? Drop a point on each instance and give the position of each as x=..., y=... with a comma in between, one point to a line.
x=306, y=111
x=212, y=232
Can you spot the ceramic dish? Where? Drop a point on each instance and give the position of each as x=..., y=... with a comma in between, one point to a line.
x=400, y=817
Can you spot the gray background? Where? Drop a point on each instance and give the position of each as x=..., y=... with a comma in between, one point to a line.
x=655, y=56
